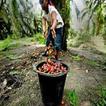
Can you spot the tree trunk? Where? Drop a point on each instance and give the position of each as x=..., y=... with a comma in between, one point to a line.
x=64, y=8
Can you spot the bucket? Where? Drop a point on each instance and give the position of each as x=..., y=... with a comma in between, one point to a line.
x=51, y=86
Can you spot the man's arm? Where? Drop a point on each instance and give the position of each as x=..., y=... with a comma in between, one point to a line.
x=54, y=22
x=44, y=26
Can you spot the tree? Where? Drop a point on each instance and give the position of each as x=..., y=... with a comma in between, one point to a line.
x=15, y=18
x=66, y=17
x=5, y=27
x=95, y=10
x=64, y=8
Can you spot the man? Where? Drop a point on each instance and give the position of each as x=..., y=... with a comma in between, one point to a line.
x=55, y=26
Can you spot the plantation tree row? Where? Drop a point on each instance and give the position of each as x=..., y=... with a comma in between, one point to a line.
x=94, y=16
x=16, y=19
x=97, y=13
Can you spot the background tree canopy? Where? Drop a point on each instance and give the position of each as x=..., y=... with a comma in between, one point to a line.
x=16, y=18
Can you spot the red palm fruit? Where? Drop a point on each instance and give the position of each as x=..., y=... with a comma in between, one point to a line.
x=55, y=67
x=49, y=68
x=52, y=68
x=44, y=67
x=62, y=68
x=65, y=68
x=48, y=65
x=58, y=69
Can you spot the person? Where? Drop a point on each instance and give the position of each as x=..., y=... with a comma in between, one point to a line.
x=53, y=22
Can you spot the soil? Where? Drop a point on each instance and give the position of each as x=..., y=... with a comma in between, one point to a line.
x=19, y=85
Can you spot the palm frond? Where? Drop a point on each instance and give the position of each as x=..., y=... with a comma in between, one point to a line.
x=3, y=15
x=93, y=28
x=84, y=13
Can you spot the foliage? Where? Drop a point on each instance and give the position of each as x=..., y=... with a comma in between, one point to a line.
x=4, y=45
x=16, y=18
x=39, y=37
x=76, y=38
x=73, y=98
x=4, y=20
x=92, y=63
x=10, y=43
x=65, y=11
x=96, y=23
x=37, y=24
x=76, y=58
x=16, y=27
x=102, y=99
x=96, y=11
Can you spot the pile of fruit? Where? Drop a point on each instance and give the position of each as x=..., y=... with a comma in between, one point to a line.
x=52, y=67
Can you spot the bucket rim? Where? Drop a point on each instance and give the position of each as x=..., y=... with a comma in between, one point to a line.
x=50, y=75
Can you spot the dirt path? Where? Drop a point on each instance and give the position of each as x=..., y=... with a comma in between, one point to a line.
x=85, y=77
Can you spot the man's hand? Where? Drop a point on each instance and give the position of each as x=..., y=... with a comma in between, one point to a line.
x=53, y=32
x=45, y=34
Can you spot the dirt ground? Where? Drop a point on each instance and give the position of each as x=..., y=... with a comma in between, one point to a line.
x=19, y=84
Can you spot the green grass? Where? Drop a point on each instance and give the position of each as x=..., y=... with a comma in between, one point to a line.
x=5, y=44
x=72, y=97
x=39, y=37
x=102, y=97
x=77, y=58
x=12, y=56
x=10, y=43
x=92, y=63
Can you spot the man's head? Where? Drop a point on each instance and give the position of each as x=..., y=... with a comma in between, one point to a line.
x=44, y=4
